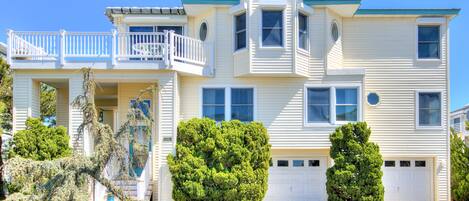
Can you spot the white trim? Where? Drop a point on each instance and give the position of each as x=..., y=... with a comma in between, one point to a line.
x=237, y=9
x=417, y=110
x=305, y=8
x=227, y=105
x=207, y=34
x=431, y=20
x=345, y=71
x=368, y=103
x=332, y=90
x=282, y=9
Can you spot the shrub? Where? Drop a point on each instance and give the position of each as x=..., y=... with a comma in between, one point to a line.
x=39, y=142
x=356, y=174
x=227, y=161
x=459, y=168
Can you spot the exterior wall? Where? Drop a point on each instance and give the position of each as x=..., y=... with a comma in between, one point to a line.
x=463, y=115
x=62, y=107
x=333, y=49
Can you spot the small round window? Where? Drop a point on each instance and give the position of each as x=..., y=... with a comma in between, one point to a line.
x=335, y=31
x=203, y=31
x=373, y=99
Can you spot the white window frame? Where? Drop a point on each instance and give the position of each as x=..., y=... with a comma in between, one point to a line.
x=236, y=32
x=228, y=99
x=280, y=8
x=429, y=22
x=333, y=102
x=417, y=110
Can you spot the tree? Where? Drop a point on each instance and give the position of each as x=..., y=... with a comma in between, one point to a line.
x=48, y=103
x=6, y=108
x=67, y=178
x=39, y=142
x=356, y=173
x=459, y=168
x=227, y=161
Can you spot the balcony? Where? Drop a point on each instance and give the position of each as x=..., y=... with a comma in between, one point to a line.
x=109, y=50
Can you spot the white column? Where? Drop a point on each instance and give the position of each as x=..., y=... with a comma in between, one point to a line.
x=75, y=114
x=62, y=107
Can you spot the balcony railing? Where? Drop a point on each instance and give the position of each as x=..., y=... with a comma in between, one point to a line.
x=61, y=46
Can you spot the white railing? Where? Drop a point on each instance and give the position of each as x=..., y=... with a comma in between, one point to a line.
x=190, y=50
x=81, y=44
x=60, y=46
x=145, y=178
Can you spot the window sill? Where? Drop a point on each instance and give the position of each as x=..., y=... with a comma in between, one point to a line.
x=327, y=125
x=272, y=48
x=428, y=60
x=429, y=127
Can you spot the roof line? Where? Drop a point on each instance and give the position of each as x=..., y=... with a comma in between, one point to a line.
x=431, y=11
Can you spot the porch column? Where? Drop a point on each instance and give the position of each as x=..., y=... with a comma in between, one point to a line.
x=62, y=107
x=26, y=100
x=75, y=115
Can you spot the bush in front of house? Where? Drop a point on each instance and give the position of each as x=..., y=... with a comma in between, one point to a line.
x=227, y=161
x=459, y=168
x=356, y=173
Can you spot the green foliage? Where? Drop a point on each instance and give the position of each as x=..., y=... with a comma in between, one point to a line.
x=227, y=161
x=6, y=81
x=459, y=168
x=39, y=142
x=356, y=174
x=48, y=102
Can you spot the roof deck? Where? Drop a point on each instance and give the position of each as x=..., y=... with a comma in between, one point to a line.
x=109, y=50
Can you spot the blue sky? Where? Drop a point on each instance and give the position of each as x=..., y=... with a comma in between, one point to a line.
x=88, y=15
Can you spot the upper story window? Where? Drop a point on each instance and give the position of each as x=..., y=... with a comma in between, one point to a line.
x=302, y=31
x=272, y=28
x=429, y=108
x=203, y=31
x=323, y=108
x=334, y=31
x=176, y=29
x=240, y=31
x=237, y=102
x=457, y=121
x=428, y=42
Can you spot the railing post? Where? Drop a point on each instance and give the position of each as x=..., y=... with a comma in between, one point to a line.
x=114, y=47
x=9, y=45
x=171, y=47
x=62, y=47
x=166, y=48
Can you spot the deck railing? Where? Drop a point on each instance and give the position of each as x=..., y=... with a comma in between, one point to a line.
x=61, y=46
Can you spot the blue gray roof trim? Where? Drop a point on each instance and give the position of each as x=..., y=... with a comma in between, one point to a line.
x=220, y=2
x=144, y=11
x=452, y=11
x=331, y=2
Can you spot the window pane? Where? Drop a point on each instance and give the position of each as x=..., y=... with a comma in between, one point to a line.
x=404, y=163
x=241, y=22
x=457, y=120
x=429, y=117
x=346, y=96
x=242, y=96
x=319, y=96
x=303, y=40
x=242, y=113
x=214, y=96
x=302, y=22
x=429, y=50
x=141, y=29
x=346, y=113
x=313, y=163
x=216, y=113
x=429, y=101
x=272, y=37
x=298, y=163
x=241, y=40
x=282, y=163
x=317, y=113
x=176, y=29
x=429, y=33
x=272, y=19
x=420, y=163
x=389, y=163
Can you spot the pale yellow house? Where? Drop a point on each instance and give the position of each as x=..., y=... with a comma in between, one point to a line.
x=300, y=67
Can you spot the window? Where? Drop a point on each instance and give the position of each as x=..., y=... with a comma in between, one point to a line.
x=203, y=31
x=240, y=31
x=457, y=121
x=404, y=163
x=429, y=109
x=322, y=107
x=228, y=103
x=373, y=99
x=420, y=163
x=302, y=31
x=313, y=163
x=298, y=163
x=389, y=163
x=467, y=115
x=334, y=31
x=272, y=28
x=242, y=106
x=282, y=163
x=319, y=105
x=214, y=104
x=429, y=42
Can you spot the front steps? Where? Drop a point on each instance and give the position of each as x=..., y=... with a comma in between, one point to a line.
x=129, y=187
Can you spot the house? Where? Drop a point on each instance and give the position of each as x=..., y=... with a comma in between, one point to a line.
x=302, y=68
x=458, y=119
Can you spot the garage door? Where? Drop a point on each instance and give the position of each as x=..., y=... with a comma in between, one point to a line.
x=407, y=179
x=297, y=179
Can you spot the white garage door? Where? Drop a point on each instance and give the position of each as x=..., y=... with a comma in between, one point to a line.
x=297, y=179
x=407, y=179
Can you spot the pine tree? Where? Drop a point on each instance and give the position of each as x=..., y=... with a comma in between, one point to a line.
x=459, y=168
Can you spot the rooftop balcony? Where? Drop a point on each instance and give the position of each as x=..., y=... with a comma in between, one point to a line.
x=109, y=50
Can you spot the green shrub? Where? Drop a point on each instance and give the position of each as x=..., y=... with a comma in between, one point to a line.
x=356, y=174
x=39, y=142
x=227, y=161
x=459, y=168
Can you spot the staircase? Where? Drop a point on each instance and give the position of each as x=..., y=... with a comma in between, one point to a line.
x=130, y=189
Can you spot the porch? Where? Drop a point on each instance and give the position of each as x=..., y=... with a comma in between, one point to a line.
x=109, y=50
